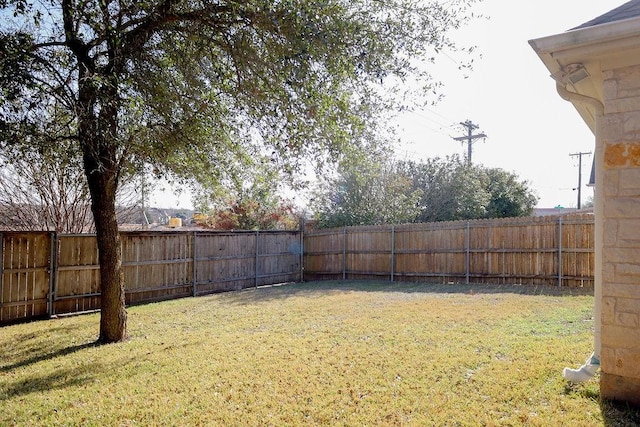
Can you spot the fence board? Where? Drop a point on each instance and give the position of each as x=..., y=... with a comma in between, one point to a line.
x=157, y=266
x=225, y=261
x=78, y=276
x=24, y=268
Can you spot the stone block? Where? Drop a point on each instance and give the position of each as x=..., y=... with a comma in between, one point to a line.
x=610, y=89
x=618, y=255
x=621, y=290
x=608, y=272
x=622, y=154
x=621, y=105
x=612, y=128
x=629, y=182
x=628, y=233
x=628, y=272
x=628, y=320
x=611, y=234
x=628, y=81
x=615, y=155
x=621, y=207
x=629, y=305
x=620, y=362
x=630, y=123
x=620, y=337
x=611, y=178
x=608, y=311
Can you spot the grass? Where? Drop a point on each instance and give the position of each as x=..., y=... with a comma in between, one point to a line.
x=324, y=353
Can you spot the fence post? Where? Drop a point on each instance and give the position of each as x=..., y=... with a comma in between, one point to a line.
x=195, y=263
x=560, y=266
x=302, y=226
x=467, y=260
x=344, y=253
x=393, y=251
x=53, y=272
x=1, y=267
x=255, y=281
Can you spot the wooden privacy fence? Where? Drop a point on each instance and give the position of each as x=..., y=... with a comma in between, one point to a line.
x=540, y=250
x=44, y=273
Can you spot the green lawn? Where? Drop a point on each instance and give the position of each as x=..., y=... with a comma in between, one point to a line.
x=323, y=353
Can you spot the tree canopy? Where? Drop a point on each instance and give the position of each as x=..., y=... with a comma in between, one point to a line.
x=372, y=192
x=194, y=88
x=251, y=201
x=367, y=189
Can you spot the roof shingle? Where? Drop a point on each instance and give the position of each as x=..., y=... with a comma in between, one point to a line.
x=630, y=9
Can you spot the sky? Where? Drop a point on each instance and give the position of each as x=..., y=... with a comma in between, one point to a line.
x=530, y=130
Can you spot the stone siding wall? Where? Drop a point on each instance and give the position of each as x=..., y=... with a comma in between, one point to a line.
x=621, y=246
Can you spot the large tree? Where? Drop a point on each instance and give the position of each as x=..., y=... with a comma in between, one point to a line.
x=186, y=86
x=451, y=189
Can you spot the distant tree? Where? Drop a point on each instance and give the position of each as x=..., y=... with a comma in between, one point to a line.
x=588, y=204
x=188, y=86
x=251, y=200
x=47, y=190
x=248, y=214
x=509, y=197
x=450, y=190
x=44, y=193
x=453, y=190
x=367, y=190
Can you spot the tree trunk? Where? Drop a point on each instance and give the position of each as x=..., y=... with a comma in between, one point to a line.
x=113, y=318
x=97, y=133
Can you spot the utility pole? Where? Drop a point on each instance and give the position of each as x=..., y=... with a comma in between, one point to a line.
x=145, y=218
x=579, y=155
x=470, y=138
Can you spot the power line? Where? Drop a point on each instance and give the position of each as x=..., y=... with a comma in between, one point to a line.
x=426, y=125
x=436, y=118
x=470, y=138
x=438, y=114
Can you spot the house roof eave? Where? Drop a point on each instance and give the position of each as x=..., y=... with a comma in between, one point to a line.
x=596, y=48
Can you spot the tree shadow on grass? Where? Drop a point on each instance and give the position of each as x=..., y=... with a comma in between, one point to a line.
x=267, y=293
x=30, y=346
x=40, y=357
x=57, y=380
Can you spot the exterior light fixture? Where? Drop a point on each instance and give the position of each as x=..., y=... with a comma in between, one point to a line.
x=572, y=73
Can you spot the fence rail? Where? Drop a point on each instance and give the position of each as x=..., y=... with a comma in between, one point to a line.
x=42, y=273
x=546, y=250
